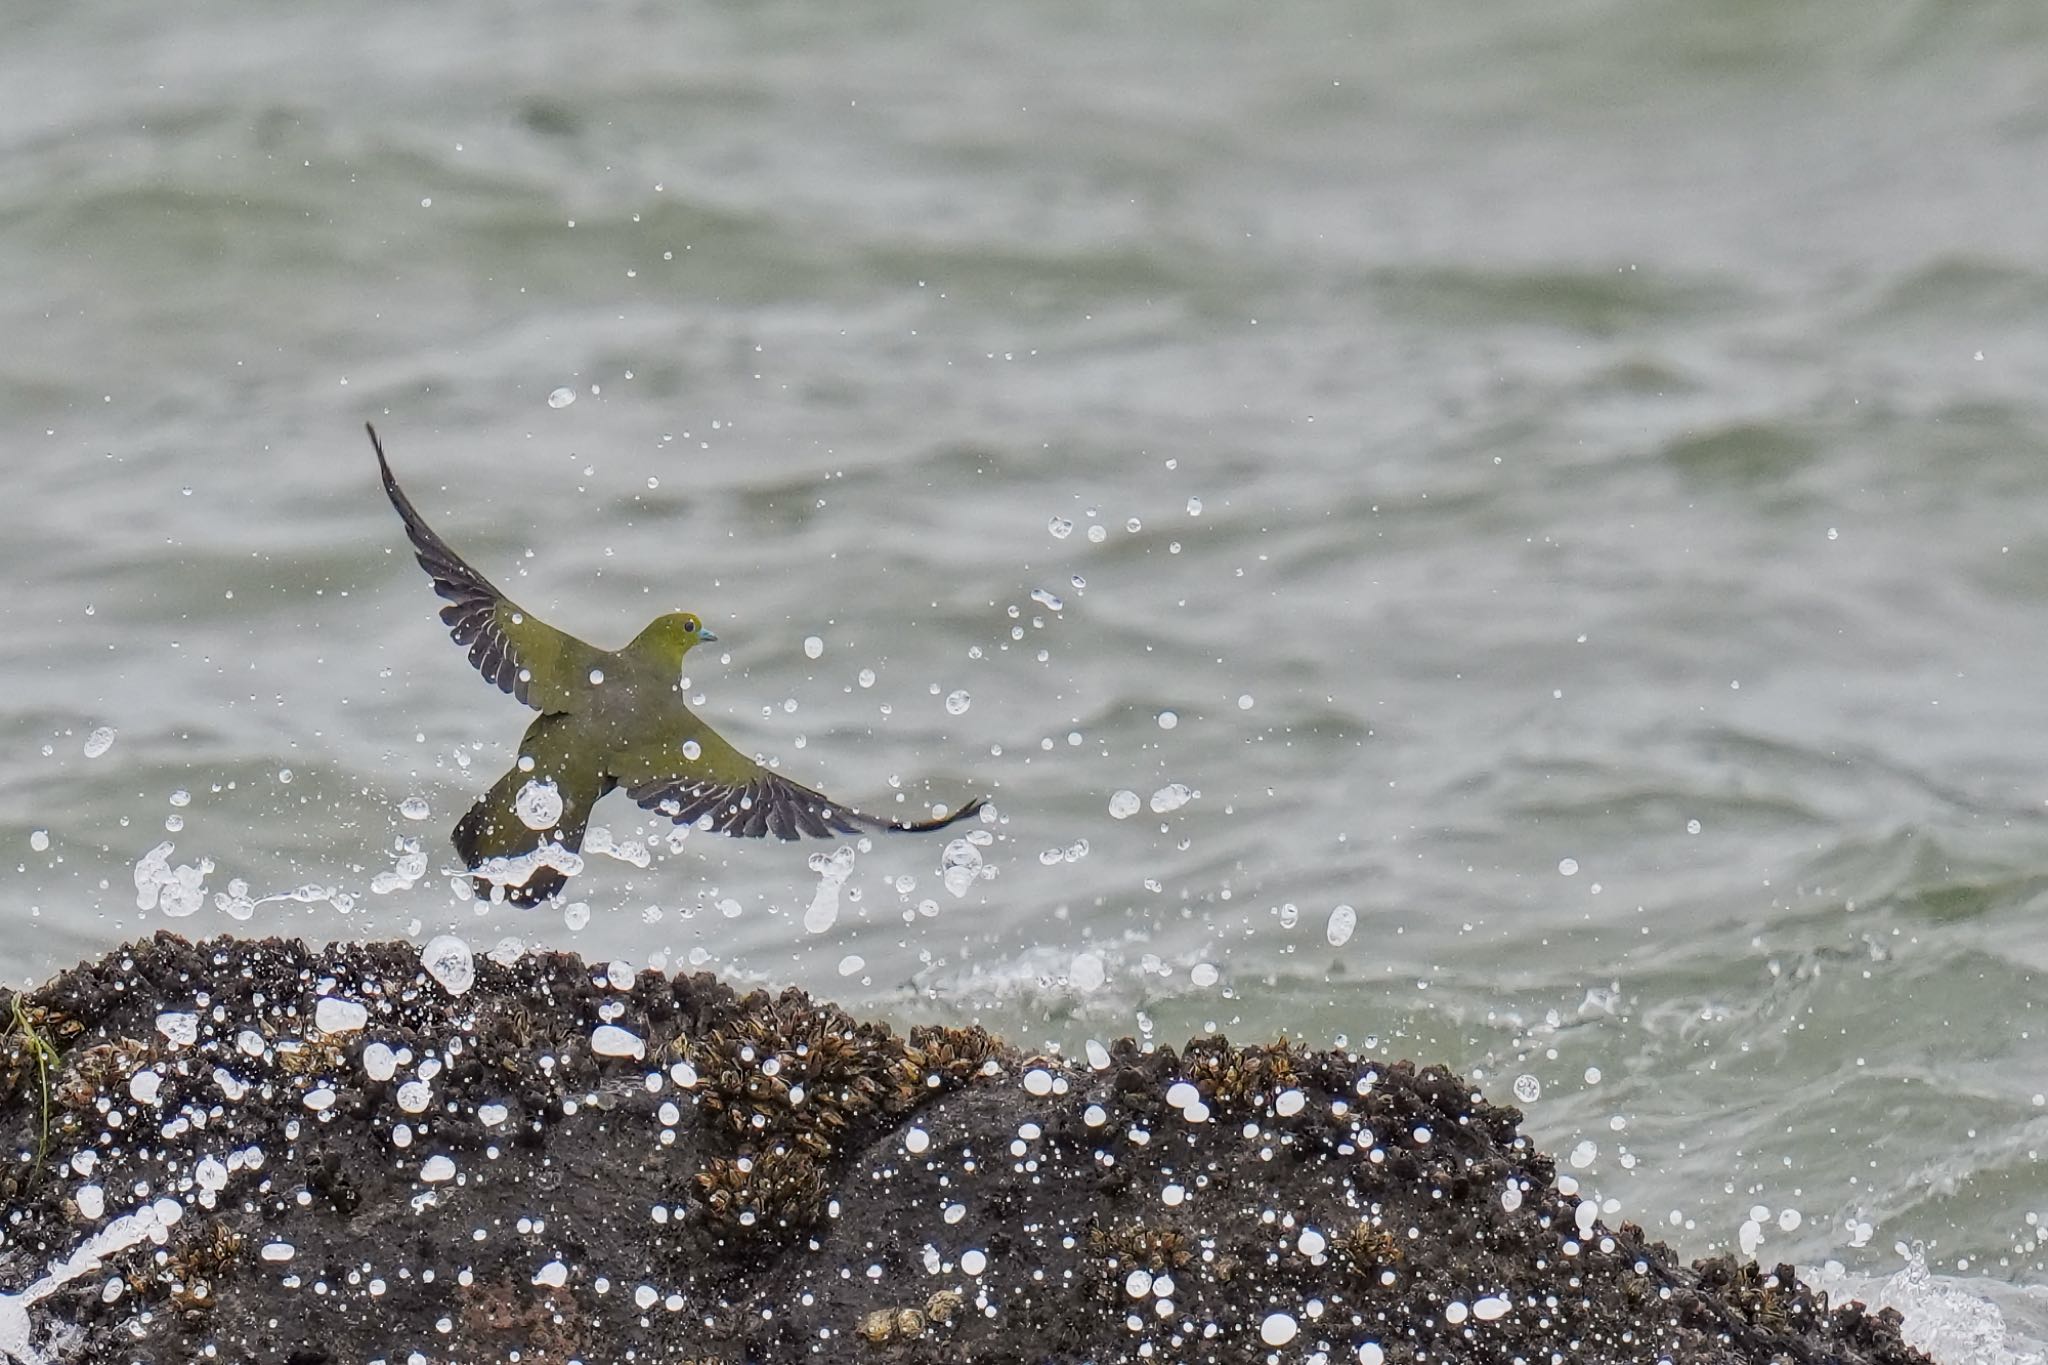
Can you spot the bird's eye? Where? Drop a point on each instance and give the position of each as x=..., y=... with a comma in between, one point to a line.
x=690, y=624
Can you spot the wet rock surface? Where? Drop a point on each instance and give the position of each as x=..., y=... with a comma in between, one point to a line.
x=264, y=1151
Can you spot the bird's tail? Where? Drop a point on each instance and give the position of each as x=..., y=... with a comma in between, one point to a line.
x=920, y=826
x=499, y=834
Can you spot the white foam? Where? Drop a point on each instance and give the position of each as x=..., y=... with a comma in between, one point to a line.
x=1950, y=1319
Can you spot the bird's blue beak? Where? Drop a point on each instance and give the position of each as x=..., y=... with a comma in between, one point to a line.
x=706, y=636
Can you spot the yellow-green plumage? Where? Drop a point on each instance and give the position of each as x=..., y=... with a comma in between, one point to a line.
x=609, y=718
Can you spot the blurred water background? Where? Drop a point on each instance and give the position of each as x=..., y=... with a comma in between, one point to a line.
x=1565, y=483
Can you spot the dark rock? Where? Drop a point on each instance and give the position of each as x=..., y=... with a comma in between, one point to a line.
x=777, y=1181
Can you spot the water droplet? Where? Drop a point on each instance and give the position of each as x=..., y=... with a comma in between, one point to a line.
x=851, y=964
x=1047, y=599
x=1167, y=720
x=562, y=397
x=597, y=677
x=1171, y=797
x=1087, y=973
x=1123, y=804
x=181, y=797
x=414, y=808
x=1060, y=528
x=331, y=1014
x=181, y=1027
x=1133, y=526
x=609, y=1040
x=1097, y=534
x=448, y=960
x=39, y=840
x=1568, y=867
x=957, y=702
x=691, y=749
x=1692, y=827
x=867, y=677
x=1343, y=920
x=1278, y=1329
x=539, y=804
x=99, y=741
x=814, y=647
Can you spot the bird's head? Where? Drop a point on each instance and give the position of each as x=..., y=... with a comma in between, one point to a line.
x=672, y=636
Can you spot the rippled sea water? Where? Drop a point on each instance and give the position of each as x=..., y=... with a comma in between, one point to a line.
x=1568, y=484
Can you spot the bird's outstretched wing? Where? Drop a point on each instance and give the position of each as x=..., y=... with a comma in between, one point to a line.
x=536, y=663
x=691, y=775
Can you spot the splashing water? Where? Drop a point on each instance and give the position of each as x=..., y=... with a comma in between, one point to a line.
x=515, y=871
x=410, y=866
x=833, y=869
x=599, y=840
x=1943, y=1317
x=959, y=866
x=179, y=891
x=151, y=1223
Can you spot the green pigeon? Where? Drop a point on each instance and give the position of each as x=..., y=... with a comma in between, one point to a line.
x=608, y=718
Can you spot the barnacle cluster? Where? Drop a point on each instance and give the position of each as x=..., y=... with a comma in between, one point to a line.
x=1240, y=1078
x=1767, y=1299
x=779, y=1187
x=788, y=1082
x=1366, y=1249
x=1140, y=1246
x=93, y=1071
x=187, y=1270
x=881, y=1326
x=799, y=1072
x=951, y=1057
x=199, y=1260
x=320, y=1055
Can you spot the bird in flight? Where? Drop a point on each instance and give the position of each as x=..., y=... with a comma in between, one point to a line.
x=608, y=718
